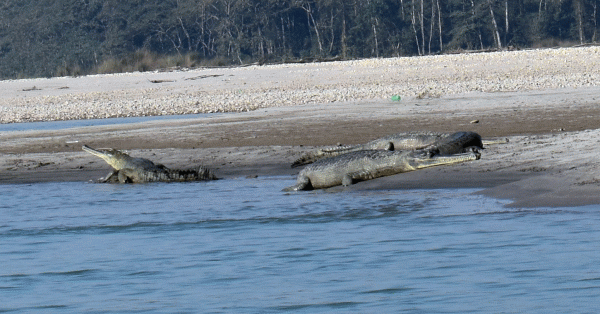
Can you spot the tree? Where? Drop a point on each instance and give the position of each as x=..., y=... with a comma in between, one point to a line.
x=45, y=38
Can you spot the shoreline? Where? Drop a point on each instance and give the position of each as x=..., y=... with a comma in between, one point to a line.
x=547, y=169
x=550, y=161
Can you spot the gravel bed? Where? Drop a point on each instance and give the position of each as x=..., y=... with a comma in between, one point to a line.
x=253, y=87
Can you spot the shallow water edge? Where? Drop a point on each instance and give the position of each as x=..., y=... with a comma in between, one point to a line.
x=243, y=246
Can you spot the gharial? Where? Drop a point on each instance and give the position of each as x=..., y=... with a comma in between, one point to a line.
x=443, y=143
x=352, y=167
x=127, y=169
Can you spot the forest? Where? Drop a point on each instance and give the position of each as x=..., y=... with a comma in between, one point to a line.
x=44, y=38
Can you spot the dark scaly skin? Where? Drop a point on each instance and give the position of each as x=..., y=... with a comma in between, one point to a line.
x=456, y=143
x=364, y=165
x=443, y=143
x=400, y=141
x=128, y=169
x=163, y=175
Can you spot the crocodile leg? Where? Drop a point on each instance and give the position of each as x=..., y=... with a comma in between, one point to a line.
x=303, y=183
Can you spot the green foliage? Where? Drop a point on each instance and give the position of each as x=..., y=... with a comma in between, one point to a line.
x=75, y=37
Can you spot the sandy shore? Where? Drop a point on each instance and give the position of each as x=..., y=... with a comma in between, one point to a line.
x=549, y=113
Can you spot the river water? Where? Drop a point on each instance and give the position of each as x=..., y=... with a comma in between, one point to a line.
x=68, y=124
x=243, y=246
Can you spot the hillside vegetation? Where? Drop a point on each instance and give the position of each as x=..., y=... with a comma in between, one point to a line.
x=74, y=37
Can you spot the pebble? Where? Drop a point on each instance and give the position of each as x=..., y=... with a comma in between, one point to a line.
x=322, y=83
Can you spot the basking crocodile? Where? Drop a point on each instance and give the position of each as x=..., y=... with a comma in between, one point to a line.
x=364, y=165
x=128, y=169
x=445, y=143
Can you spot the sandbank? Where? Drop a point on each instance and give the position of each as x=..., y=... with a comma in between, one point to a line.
x=551, y=159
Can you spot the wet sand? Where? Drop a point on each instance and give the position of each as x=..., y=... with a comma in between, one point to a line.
x=551, y=159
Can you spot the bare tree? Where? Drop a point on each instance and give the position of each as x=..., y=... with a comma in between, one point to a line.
x=344, y=38
x=305, y=5
x=496, y=32
x=422, y=27
x=374, y=23
x=431, y=25
x=413, y=19
x=474, y=19
x=595, y=19
x=437, y=2
x=579, y=19
x=505, y=21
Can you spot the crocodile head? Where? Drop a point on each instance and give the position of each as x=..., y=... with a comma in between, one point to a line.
x=113, y=157
x=426, y=158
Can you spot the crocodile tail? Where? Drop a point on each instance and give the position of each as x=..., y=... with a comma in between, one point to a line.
x=199, y=174
x=306, y=159
x=205, y=174
x=310, y=157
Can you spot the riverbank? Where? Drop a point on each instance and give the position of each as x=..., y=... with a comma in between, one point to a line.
x=551, y=159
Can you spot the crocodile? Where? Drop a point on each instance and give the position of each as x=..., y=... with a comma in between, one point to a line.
x=127, y=169
x=446, y=143
x=352, y=167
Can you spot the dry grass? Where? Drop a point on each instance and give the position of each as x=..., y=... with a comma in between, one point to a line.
x=144, y=60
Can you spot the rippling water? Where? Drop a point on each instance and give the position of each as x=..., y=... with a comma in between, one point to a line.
x=242, y=246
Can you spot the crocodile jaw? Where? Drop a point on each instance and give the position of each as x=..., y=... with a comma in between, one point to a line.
x=426, y=162
x=109, y=155
x=104, y=155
